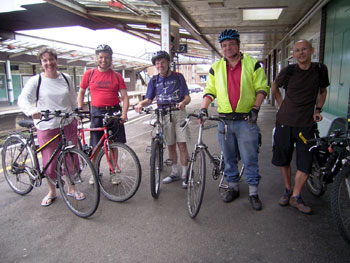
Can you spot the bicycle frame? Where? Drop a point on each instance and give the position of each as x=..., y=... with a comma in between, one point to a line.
x=103, y=141
x=30, y=142
x=158, y=125
x=217, y=161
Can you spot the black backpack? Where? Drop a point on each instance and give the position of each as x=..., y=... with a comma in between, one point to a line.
x=290, y=71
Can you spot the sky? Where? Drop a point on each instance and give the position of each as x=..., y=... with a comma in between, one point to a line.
x=119, y=41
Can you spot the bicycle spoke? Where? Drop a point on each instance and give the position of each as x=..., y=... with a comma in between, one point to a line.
x=74, y=170
x=196, y=184
x=17, y=160
x=119, y=173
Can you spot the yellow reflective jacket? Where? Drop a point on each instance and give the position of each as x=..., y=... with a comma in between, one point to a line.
x=253, y=81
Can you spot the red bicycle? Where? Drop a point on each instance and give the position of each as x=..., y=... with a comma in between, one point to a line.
x=117, y=166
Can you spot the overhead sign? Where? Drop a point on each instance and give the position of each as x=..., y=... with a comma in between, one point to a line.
x=183, y=48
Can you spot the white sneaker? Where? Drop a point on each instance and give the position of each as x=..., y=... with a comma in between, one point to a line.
x=91, y=180
x=171, y=178
x=115, y=179
x=184, y=178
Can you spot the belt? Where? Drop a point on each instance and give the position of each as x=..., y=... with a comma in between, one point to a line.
x=235, y=115
x=107, y=107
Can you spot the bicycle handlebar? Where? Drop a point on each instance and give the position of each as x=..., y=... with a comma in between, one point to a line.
x=150, y=110
x=334, y=139
x=204, y=118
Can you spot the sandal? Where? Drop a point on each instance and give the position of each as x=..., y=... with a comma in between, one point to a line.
x=47, y=200
x=77, y=195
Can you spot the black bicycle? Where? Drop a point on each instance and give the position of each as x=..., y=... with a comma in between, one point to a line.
x=157, y=146
x=332, y=165
x=22, y=169
x=328, y=153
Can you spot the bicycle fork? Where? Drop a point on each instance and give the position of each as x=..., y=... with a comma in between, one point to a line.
x=112, y=154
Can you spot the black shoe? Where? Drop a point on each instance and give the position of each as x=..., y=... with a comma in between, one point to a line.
x=255, y=202
x=230, y=195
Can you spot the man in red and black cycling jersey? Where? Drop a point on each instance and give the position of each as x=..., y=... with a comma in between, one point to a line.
x=105, y=86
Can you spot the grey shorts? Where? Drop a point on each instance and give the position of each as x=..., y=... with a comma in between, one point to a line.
x=173, y=133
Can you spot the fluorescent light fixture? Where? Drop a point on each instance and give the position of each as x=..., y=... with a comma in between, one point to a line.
x=253, y=45
x=252, y=51
x=216, y=3
x=262, y=13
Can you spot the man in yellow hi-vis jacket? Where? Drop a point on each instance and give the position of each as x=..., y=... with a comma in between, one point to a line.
x=238, y=83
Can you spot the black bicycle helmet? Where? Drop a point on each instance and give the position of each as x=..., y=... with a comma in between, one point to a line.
x=104, y=48
x=229, y=34
x=160, y=54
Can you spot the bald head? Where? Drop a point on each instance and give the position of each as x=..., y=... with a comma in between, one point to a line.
x=302, y=52
x=304, y=41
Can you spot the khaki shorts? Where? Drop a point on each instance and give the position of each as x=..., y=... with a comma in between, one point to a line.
x=172, y=131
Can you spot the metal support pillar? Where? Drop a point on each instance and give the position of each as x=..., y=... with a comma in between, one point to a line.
x=9, y=82
x=165, y=35
x=212, y=56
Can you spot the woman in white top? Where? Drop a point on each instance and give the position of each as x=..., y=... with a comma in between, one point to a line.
x=55, y=92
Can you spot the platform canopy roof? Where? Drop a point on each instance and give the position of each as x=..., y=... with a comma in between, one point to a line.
x=199, y=21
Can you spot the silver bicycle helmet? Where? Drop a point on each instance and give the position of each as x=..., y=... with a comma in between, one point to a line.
x=104, y=48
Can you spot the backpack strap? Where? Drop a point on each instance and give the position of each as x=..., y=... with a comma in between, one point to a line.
x=289, y=74
x=91, y=73
x=154, y=80
x=116, y=73
x=39, y=84
x=66, y=79
x=37, y=89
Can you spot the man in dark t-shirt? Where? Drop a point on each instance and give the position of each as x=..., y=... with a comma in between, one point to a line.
x=305, y=85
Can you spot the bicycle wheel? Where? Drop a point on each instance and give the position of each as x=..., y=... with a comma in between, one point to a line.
x=314, y=183
x=156, y=167
x=196, y=183
x=122, y=183
x=340, y=202
x=17, y=159
x=74, y=169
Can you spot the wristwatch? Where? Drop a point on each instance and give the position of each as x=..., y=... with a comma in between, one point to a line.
x=319, y=109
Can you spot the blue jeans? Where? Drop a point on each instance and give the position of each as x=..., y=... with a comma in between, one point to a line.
x=245, y=136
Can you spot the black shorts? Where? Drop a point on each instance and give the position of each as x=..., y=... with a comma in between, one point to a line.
x=118, y=131
x=284, y=139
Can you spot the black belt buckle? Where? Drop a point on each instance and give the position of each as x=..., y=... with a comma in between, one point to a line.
x=109, y=107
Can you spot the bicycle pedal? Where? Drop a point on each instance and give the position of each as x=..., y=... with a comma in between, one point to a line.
x=148, y=149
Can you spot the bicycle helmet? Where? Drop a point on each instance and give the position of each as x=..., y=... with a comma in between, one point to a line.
x=104, y=48
x=229, y=34
x=160, y=54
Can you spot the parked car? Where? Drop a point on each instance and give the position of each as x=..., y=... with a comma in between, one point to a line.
x=194, y=88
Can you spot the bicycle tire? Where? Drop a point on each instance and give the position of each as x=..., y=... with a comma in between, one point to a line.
x=128, y=173
x=17, y=158
x=340, y=202
x=156, y=167
x=77, y=165
x=313, y=183
x=196, y=183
